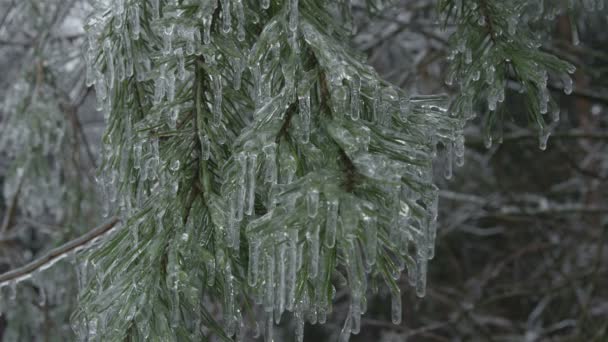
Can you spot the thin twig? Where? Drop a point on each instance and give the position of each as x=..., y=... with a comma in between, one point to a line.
x=59, y=251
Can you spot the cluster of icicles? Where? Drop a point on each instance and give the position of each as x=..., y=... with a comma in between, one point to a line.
x=278, y=260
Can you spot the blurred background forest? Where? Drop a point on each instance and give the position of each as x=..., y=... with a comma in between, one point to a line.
x=521, y=248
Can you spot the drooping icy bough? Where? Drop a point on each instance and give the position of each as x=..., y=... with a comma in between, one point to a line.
x=254, y=156
x=496, y=50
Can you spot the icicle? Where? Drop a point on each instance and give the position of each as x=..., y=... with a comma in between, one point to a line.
x=377, y=102
x=205, y=147
x=405, y=107
x=331, y=223
x=269, y=329
x=371, y=238
x=181, y=64
x=226, y=17
x=100, y=90
x=251, y=177
x=312, y=203
x=241, y=159
x=188, y=35
x=421, y=268
x=543, y=137
x=270, y=151
x=313, y=250
x=355, y=312
x=346, y=330
x=107, y=51
x=135, y=23
x=396, y=309
x=207, y=21
x=544, y=100
x=299, y=327
x=160, y=85
x=168, y=39
x=293, y=15
x=129, y=60
x=217, y=100
x=238, y=65
x=256, y=72
x=265, y=4
x=210, y=272
x=490, y=74
x=240, y=17
x=292, y=267
x=459, y=149
x=170, y=84
x=355, y=98
x=449, y=158
x=254, y=258
x=568, y=84
x=468, y=56
x=304, y=105
x=155, y=9
x=280, y=288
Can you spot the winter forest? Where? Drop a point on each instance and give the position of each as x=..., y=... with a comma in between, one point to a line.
x=303, y=170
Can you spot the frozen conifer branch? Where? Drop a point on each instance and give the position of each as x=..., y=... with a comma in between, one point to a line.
x=495, y=44
x=255, y=157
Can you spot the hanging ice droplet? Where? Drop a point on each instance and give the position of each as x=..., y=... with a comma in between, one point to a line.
x=251, y=178
x=331, y=223
x=312, y=203
x=265, y=4
x=304, y=105
x=174, y=165
x=293, y=15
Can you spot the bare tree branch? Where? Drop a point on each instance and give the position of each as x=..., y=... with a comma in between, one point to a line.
x=59, y=251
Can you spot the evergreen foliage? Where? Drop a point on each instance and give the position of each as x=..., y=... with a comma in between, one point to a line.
x=259, y=164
